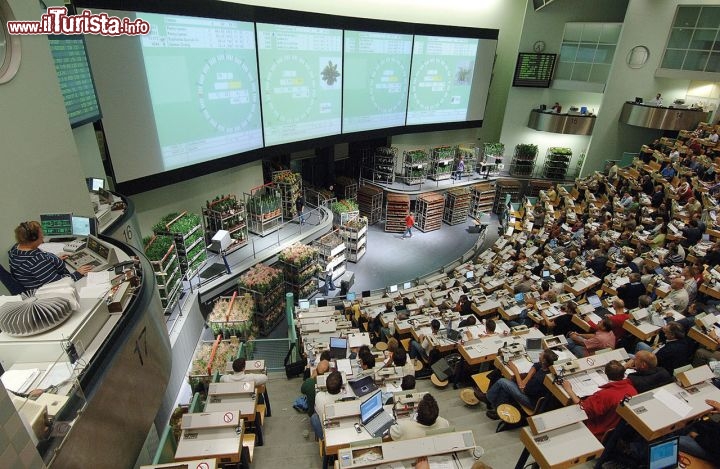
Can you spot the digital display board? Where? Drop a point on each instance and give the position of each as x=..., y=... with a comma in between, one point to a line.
x=76, y=81
x=534, y=70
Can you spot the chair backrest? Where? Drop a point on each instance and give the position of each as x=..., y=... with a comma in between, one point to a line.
x=9, y=281
x=368, y=442
x=195, y=404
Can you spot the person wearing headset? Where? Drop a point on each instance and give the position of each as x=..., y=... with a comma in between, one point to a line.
x=33, y=268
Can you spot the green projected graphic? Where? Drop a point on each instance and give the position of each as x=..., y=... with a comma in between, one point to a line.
x=377, y=72
x=301, y=71
x=203, y=83
x=441, y=78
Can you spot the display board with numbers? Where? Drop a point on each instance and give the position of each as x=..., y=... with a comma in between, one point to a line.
x=534, y=70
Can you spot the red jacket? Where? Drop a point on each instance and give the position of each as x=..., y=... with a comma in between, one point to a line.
x=617, y=324
x=409, y=221
x=600, y=407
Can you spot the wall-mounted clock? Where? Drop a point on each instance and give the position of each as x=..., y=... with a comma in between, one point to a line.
x=539, y=46
x=9, y=45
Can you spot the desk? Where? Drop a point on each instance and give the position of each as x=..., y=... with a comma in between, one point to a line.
x=582, y=285
x=564, y=447
x=485, y=349
x=652, y=418
x=702, y=338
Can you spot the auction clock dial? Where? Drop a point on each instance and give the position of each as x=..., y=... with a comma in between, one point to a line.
x=388, y=93
x=539, y=46
x=227, y=93
x=290, y=91
x=9, y=45
x=431, y=86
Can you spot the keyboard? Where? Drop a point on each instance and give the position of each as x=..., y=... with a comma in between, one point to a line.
x=80, y=259
x=375, y=425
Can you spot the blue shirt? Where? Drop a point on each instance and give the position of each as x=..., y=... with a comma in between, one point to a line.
x=35, y=268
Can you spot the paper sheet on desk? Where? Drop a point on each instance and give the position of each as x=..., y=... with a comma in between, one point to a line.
x=441, y=462
x=53, y=248
x=523, y=365
x=93, y=291
x=587, y=384
x=673, y=402
x=98, y=278
x=19, y=380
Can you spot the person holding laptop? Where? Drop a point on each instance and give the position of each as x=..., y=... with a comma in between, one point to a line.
x=32, y=267
x=426, y=419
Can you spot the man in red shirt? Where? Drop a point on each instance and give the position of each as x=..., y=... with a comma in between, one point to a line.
x=600, y=407
x=409, y=223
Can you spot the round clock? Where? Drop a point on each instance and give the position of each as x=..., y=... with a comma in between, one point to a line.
x=9, y=45
x=539, y=46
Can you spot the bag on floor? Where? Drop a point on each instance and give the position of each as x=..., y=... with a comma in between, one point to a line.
x=294, y=369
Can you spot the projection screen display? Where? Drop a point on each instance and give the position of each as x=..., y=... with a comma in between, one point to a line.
x=301, y=70
x=441, y=79
x=203, y=82
x=375, y=85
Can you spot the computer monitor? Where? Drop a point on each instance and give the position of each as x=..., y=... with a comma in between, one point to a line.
x=350, y=296
x=303, y=303
x=95, y=183
x=638, y=100
x=106, y=197
x=365, y=294
x=392, y=288
x=583, y=110
x=321, y=302
x=469, y=274
x=705, y=237
x=663, y=454
x=56, y=224
x=84, y=226
x=407, y=285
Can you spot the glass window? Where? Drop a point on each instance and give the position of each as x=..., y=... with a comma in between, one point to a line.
x=695, y=32
x=713, y=64
x=587, y=51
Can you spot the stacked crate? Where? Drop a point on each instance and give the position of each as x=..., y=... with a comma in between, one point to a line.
x=429, y=211
x=457, y=205
x=187, y=233
x=397, y=207
x=370, y=200
x=166, y=268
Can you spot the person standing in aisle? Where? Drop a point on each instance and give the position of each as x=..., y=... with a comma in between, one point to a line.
x=329, y=277
x=300, y=206
x=409, y=223
x=460, y=168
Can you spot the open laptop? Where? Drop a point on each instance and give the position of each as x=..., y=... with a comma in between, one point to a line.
x=363, y=385
x=533, y=348
x=663, y=454
x=95, y=253
x=373, y=416
x=338, y=347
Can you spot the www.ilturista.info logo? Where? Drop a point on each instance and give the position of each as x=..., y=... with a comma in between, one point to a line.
x=57, y=21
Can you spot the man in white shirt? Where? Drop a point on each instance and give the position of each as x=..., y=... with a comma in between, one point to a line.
x=426, y=419
x=239, y=375
x=678, y=295
x=333, y=385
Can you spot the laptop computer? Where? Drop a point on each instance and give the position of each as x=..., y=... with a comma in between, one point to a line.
x=338, y=347
x=373, y=416
x=664, y=454
x=363, y=385
x=533, y=348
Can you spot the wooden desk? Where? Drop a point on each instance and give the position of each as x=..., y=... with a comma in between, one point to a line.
x=485, y=349
x=710, y=291
x=582, y=285
x=653, y=419
x=223, y=444
x=564, y=447
x=702, y=338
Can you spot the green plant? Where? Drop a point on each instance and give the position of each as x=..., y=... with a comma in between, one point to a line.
x=156, y=250
x=344, y=205
x=494, y=149
x=560, y=151
x=526, y=151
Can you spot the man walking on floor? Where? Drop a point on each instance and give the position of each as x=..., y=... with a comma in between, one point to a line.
x=409, y=223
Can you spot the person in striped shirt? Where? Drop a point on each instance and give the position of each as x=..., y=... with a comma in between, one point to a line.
x=33, y=268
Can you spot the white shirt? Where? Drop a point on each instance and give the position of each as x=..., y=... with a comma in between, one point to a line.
x=258, y=378
x=323, y=398
x=408, y=428
x=679, y=299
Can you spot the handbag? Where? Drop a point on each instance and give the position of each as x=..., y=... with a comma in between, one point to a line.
x=293, y=369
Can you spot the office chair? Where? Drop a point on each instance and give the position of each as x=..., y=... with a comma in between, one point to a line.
x=9, y=281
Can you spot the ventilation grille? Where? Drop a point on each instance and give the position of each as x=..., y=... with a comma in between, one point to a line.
x=33, y=315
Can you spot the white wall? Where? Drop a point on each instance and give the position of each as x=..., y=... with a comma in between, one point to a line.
x=191, y=195
x=41, y=169
x=547, y=25
x=89, y=152
x=647, y=22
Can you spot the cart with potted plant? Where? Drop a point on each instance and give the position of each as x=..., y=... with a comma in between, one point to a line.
x=160, y=251
x=226, y=212
x=300, y=268
x=523, y=160
x=470, y=154
x=186, y=231
x=332, y=252
x=267, y=288
x=354, y=234
x=209, y=358
x=442, y=160
x=290, y=186
x=232, y=316
x=264, y=212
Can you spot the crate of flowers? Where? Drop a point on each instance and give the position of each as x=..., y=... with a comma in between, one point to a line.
x=232, y=316
x=261, y=278
x=160, y=251
x=298, y=255
x=331, y=244
x=211, y=357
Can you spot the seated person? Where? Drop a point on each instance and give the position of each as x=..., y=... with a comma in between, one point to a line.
x=427, y=418
x=400, y=359
x=525, y=391
x=416, y=348
x=333, y=385
x=367, y=360
x=463, y=306
x=583, y=345
x=468, y=321
x=678, y=295
x=618, y=316
x=675, y=352
x=407, y=383
x=702, y=436
x=308, y=386
x=647, y=374
x=630, y=292
x=600, y=407
x=704, y=356
x=239, y=375
x=33, y=268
